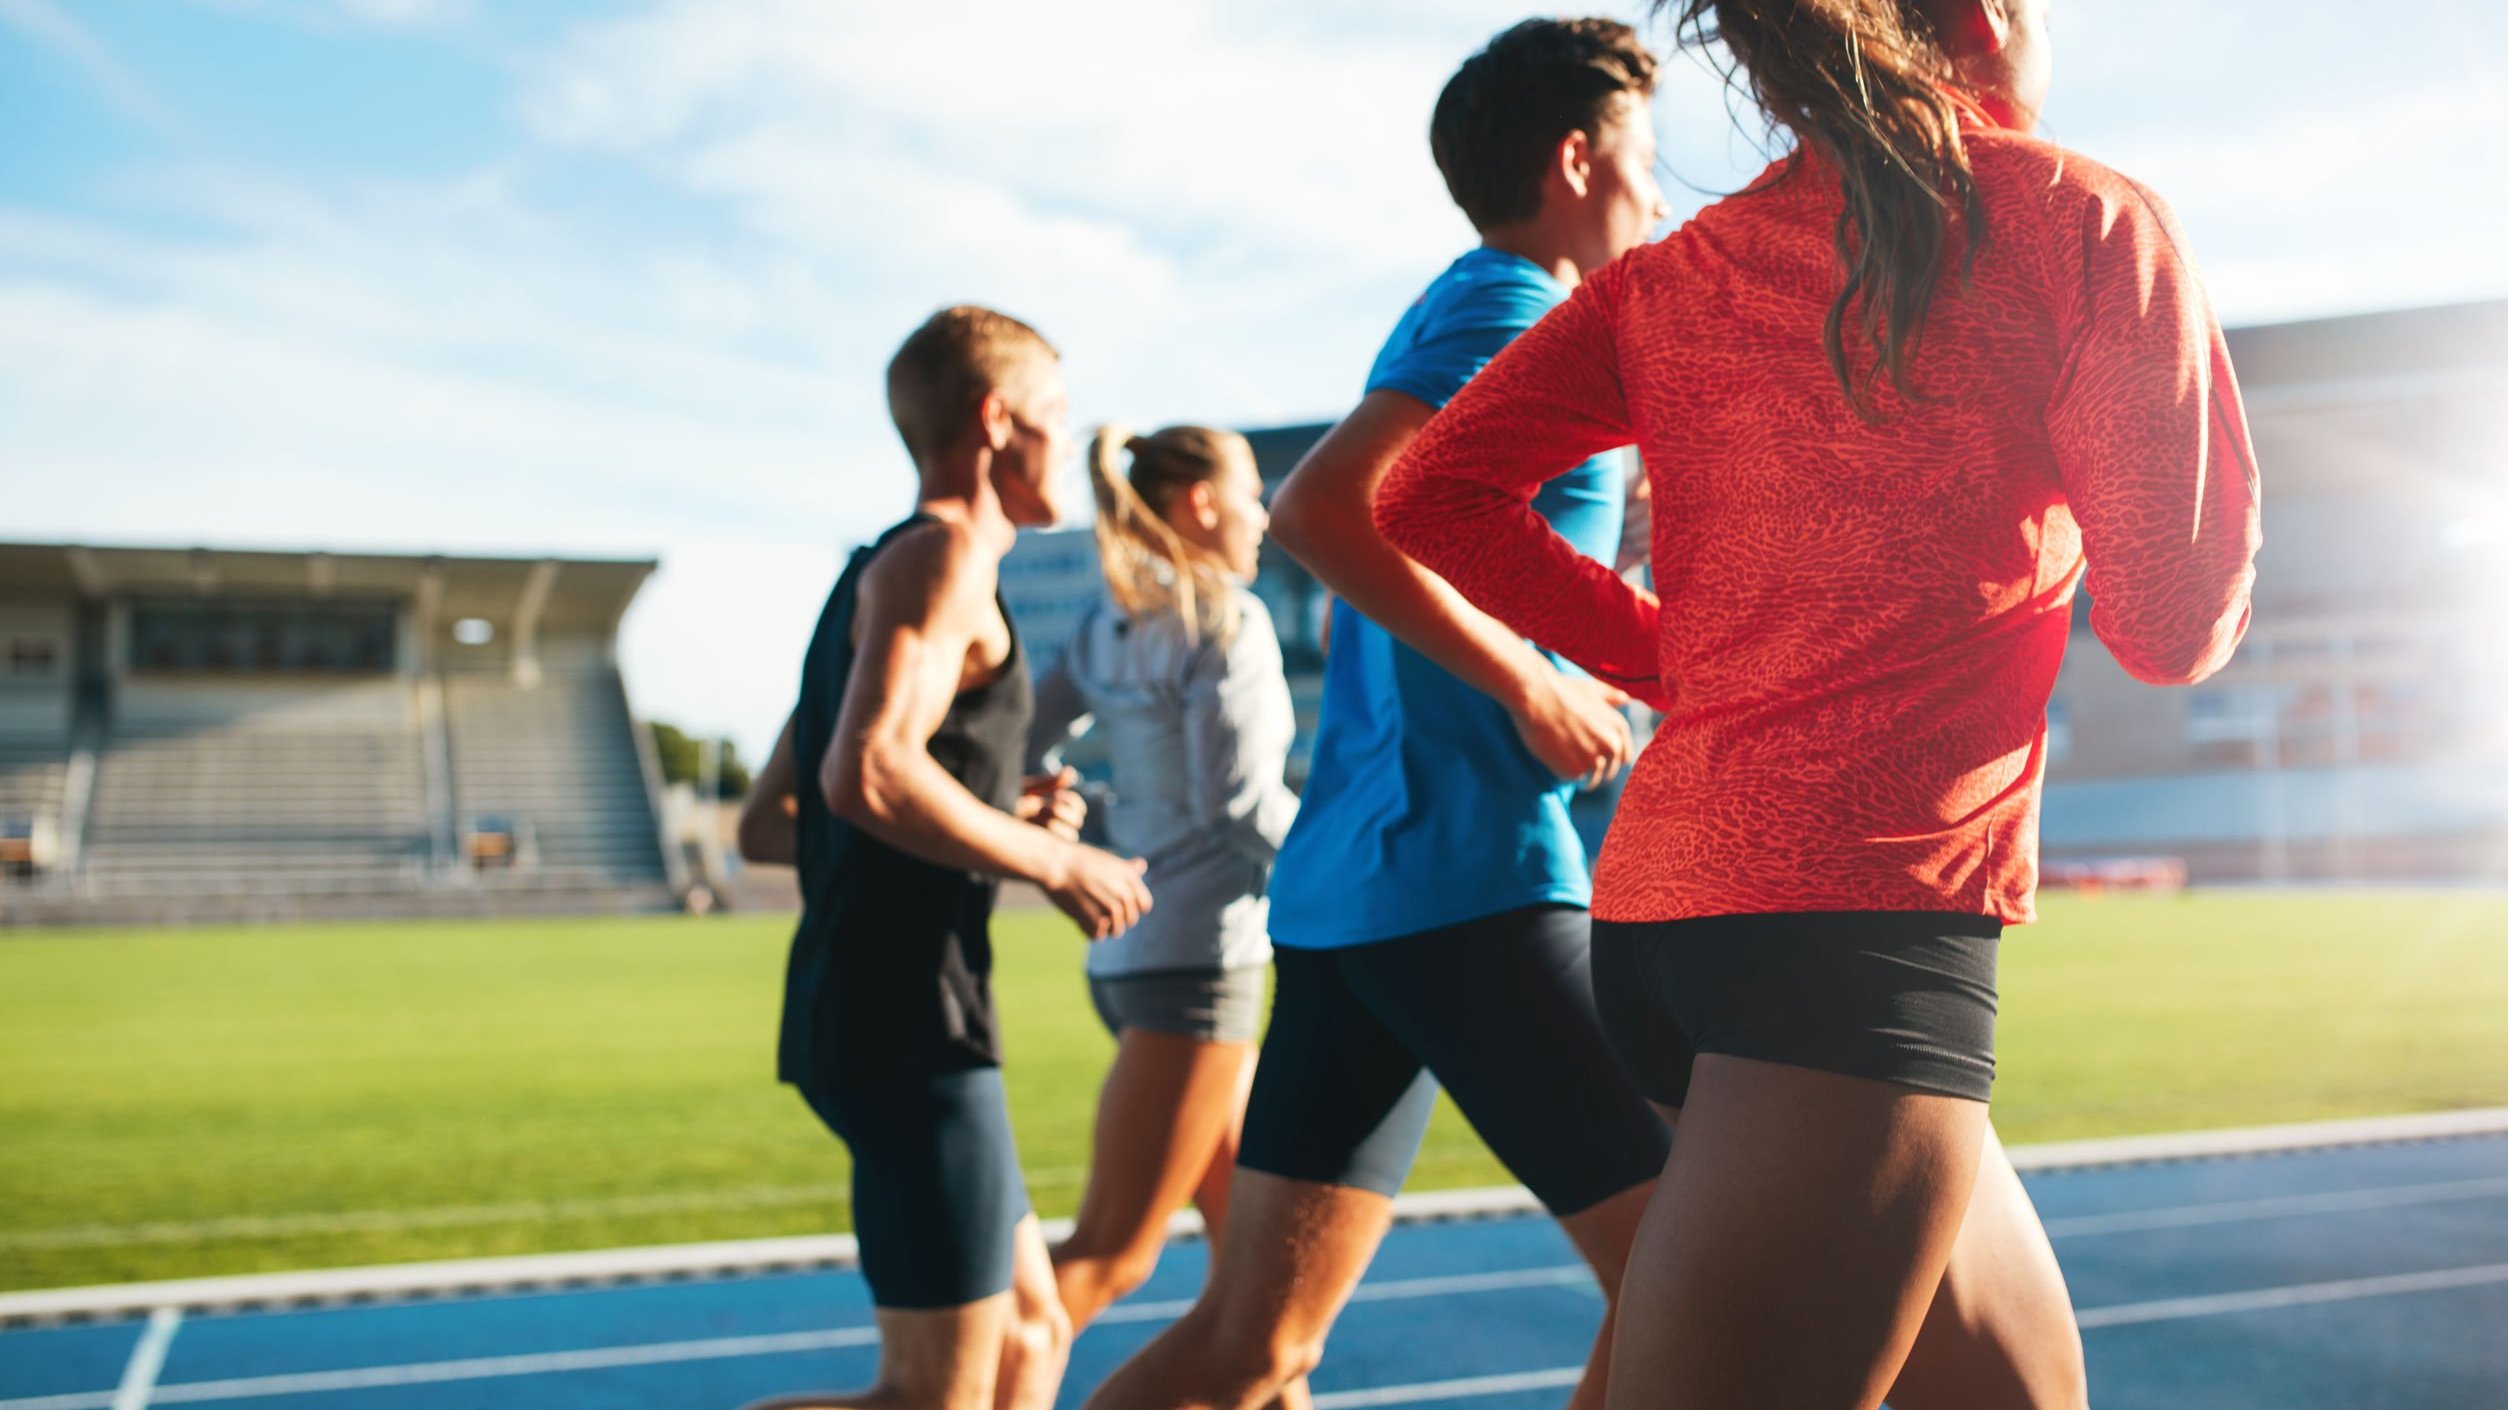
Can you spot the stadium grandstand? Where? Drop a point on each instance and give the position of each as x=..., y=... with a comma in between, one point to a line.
x=2362, y=731
x=201, y=734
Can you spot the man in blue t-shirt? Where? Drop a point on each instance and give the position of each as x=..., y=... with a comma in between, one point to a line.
x=1428, y=908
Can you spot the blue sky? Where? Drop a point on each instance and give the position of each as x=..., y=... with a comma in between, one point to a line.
x=619, y=278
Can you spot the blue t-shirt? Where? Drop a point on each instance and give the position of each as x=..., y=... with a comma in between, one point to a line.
x=1423, y=808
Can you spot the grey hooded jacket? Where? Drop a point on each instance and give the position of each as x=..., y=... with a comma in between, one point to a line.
x=1199, y=733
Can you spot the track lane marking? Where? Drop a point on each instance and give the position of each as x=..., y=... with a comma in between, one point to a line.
x=139, y=1377
x=718, y=1348
x=2188, y=1216
x=2178, y=1309
x=1467, y=1388
x=1390, y=1290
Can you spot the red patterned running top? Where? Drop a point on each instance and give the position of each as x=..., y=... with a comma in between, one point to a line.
x=1859, y=622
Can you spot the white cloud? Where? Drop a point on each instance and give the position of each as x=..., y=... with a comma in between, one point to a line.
x=1215, y=211
x=405, y=12
x=381, y=14
x=2320, y=162
x=432, y=368
x=51, y=26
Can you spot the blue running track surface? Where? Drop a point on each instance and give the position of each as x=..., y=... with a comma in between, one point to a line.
x=2368, y=1278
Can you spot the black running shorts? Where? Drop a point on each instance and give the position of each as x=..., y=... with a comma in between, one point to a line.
x=1499, y=1010
x=937, y=1194
x=1896, y=996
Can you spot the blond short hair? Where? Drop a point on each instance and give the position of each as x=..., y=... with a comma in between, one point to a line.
x=942, y=371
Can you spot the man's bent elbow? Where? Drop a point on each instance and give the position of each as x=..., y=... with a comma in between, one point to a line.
x=860, y=789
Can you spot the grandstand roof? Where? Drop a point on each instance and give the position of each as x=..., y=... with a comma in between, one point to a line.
x=2374, y=356
x=580, y=592
x=2420, y=383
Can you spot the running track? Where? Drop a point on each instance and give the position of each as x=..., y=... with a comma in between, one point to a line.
x=2361, y=1276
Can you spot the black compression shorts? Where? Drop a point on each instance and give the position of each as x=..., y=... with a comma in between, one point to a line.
x=1896, y=996
x=1500, y=1011
x=937, y=1194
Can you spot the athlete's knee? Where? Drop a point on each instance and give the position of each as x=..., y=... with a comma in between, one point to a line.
x=1270, y=1357
x=1252, y=1359
x=1289, y=1359
x=1039, y=1328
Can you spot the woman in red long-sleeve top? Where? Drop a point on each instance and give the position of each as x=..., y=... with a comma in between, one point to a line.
x=1893, y=399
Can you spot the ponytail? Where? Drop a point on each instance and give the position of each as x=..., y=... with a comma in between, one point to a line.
x=1150, y=569
x=1864, y=83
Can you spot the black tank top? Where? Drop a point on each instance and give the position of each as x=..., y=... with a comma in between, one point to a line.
x=891, y=967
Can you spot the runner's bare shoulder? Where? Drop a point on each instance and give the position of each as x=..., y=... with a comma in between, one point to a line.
x=930, y=573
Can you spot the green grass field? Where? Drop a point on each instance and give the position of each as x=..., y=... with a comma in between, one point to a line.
x=176, y=1103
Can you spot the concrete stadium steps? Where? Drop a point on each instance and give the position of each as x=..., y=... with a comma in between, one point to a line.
x=263, y=791
x=560, y=757
x=178, y=906
x=33, y=772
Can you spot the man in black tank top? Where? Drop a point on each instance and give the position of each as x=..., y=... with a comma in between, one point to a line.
x=895, y=792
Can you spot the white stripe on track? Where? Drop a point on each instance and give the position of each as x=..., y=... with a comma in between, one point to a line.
x=1466, y=1389
x=718, y=1348
x=2178, y=1309
x=472, y=1369
x=1391, y=1290
x=2186, y=1216
x=139, y=1378
x=721, y=1348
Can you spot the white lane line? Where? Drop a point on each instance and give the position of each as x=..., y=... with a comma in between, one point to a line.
x=2261, y=1140
x=528, y=1269
x=139, y=1378
x=1564, y=1274
x=2186, y=1216
x=2177, y=1309
x=472, y=1369
x=1390, y=1290
x=716, y=1348
x=1468, y=1388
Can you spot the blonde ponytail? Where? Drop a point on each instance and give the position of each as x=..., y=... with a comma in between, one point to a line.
x=1150, y=569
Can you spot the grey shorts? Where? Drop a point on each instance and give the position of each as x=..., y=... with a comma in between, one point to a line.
x=1208, y=1006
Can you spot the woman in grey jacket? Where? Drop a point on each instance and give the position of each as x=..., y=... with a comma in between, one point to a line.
x=1179, y=670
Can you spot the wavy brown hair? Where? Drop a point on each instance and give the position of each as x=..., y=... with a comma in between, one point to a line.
x=1867, y=85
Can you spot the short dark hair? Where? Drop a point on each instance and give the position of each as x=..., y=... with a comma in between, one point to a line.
x=940, y=375
x=1511, y=104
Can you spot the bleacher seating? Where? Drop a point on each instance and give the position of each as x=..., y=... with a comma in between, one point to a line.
x=33, y=769
x=306, y=790
x=558, y=759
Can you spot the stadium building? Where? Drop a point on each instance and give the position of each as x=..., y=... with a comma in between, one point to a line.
x=203, y=734
x=2362, y=730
